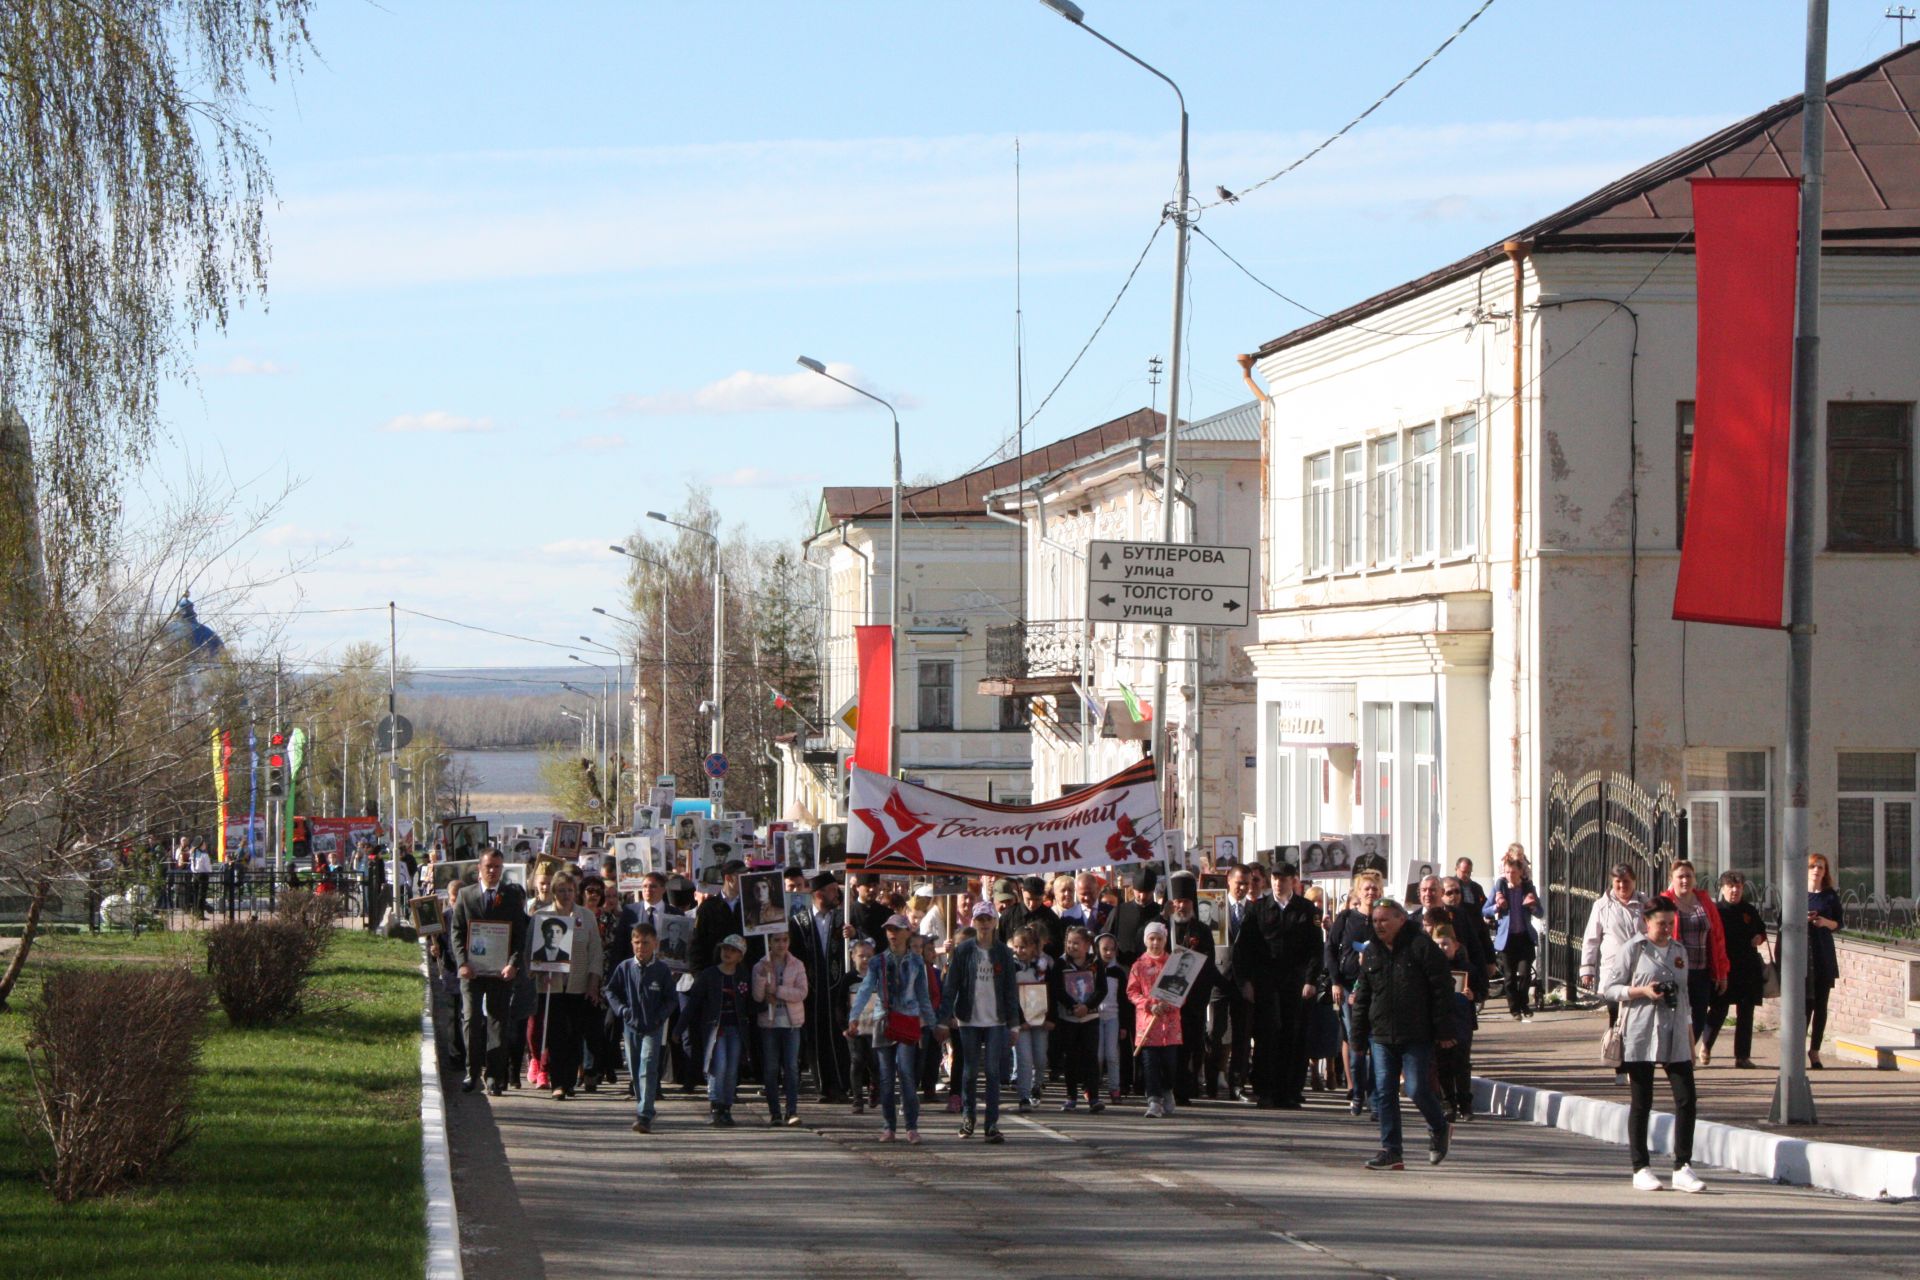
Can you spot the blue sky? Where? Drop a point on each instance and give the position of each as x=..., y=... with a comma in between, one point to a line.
x=538, y=267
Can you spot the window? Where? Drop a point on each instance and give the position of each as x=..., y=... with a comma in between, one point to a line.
x=1463, y=484
x=1421, y=779
x=1319, y=513
x=1876, y=845
x=1351, y=540
x=1869, y=477
x=1377, y=791
x=1066, y=712
x=1423, y=493
x=1013, y=714
x=1729, y=814
x=1384, y=504
x=1682, y=469
x=936, y=694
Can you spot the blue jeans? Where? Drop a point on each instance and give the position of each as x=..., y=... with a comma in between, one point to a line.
x=723, y=1067
x=899, y=1062
x=1389, y=1060
x=1359, y=1057
x=780, y=1059
x=1030, y=1066
x=984, y=1049
x=1161, y=1062
x=645, y=1056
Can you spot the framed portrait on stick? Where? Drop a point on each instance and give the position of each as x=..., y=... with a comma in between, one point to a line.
x=763, y=902
x=1177, y=979
x=489, y=947
x=428, y=915
x=676, y=942
x=552, y=943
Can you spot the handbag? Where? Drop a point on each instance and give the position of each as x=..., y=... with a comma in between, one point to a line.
x=1770, y=979
x=901, y=1028
x=1613, y=1048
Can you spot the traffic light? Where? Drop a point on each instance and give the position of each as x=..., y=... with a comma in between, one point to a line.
x=277, y=764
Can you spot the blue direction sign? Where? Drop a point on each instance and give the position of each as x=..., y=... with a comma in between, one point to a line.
x=715, y=765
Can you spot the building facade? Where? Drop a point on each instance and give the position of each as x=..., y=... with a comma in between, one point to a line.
x=1477, y=487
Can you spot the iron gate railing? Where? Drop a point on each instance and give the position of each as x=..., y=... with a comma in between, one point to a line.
x=1593, y=824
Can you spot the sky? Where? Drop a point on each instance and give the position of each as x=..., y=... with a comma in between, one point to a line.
x=539, y=268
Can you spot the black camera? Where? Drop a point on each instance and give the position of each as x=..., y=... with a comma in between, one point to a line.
x=1668, y=992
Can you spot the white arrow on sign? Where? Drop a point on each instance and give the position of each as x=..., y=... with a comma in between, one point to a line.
x=1178, y=584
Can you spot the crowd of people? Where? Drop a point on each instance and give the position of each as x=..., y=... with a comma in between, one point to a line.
x=1059, y=990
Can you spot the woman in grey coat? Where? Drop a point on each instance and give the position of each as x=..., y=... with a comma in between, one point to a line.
x=1648, y=979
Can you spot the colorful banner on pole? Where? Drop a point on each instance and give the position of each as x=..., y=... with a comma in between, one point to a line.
x=873, y=740
x=900, y=827
x=1733, y=558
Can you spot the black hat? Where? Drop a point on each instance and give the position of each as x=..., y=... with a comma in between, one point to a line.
x=732, y=867
x=1034, y=884
x=867, y=878
x=1144, y=879
x=1182, y=884
x=824, y=880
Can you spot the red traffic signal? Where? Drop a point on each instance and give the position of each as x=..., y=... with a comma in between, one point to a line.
x=276, y=760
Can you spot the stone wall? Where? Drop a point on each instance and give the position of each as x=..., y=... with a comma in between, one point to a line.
x=1875, y=982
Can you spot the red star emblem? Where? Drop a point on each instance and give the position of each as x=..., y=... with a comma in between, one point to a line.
x=905, y=845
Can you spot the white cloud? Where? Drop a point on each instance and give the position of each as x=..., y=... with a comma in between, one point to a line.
x=299, y=535
x=745, y=391
x=761, y=478
x=436, y=421
x=245, y=367
x=600, y=444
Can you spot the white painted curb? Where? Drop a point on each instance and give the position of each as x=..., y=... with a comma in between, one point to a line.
x=436, y=1156
x=1865, y=1173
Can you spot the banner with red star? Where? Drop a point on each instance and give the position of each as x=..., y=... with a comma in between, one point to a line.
x=899, y=826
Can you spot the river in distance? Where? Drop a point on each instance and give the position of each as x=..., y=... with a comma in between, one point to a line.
x=507, y=788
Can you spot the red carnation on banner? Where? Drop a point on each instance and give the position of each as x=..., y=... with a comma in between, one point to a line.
x=1126, y=843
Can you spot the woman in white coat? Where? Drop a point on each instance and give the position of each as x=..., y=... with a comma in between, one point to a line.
x=1648, y=979
x=1614, y=922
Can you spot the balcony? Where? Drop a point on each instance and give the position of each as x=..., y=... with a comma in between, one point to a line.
x=1025, y=659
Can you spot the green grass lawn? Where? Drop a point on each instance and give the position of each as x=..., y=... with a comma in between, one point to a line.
x=306, y=1158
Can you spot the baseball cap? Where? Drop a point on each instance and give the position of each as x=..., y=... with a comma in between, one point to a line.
x=735, y=941
x=985, y=911
x=923, y=891
x=897, y=922
x=1003, y=891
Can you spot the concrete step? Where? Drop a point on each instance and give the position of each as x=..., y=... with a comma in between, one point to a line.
x=1887, y=1057
x=1890, y=1031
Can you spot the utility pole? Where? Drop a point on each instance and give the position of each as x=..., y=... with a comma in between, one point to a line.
x=1792, y=1097
x=393, y=754
x=1153, y=384
x=1902, y=14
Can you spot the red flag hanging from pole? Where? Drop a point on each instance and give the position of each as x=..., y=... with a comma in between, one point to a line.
x=873, y=737
x=1733, y=560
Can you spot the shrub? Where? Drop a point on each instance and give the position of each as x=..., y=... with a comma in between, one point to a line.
x=314, y=914
x=111, y=1055
x=260, y=968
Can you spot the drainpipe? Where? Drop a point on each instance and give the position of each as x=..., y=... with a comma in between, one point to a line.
x=1516, y=251
x=1266, y=458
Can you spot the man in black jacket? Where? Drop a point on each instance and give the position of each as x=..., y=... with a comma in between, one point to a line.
x=1277, y=961
x=867, y=917
x=814, y=930
x=1403, y=1006
x=1128, y=925
x=1042, y=918
x=1185, y=929
x=486, y=989
x=719, y=917
x=1230, y=1031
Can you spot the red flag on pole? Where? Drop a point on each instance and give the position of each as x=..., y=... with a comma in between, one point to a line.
x=873, y=738
x=1733, y=560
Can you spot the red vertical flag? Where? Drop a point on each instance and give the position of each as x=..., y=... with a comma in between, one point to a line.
x=873, y=736
x=1733, y=560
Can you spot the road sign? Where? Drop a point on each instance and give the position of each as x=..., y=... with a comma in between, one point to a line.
x=383, y=738
x=1180, y=584
x=715, y=765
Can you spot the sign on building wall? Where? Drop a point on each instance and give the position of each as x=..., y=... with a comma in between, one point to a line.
x=1176, y=584
x=1316, y=718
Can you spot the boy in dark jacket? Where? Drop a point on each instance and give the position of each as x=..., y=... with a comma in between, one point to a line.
x=1403, y=1004
x=642, y=997
x=714, y=1025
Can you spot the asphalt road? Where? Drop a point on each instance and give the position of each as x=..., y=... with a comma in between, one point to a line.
x=564, y=1190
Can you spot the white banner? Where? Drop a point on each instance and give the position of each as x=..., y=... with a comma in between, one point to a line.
x=898, y=826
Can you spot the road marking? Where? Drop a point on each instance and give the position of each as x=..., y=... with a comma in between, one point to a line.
x=1056, y=1135
x=1296, y=1241
x=1165, y=1182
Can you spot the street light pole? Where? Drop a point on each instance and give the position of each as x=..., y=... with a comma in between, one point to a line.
x=716, y=787
x=1177, y=211
x=893, y=569
x=665, y=766
x=619, y=687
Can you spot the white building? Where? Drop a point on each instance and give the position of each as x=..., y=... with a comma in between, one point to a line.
x=960, y=574
x=1477, y=482
x=1057, y=657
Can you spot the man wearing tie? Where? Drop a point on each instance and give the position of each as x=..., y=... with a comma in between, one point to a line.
x=1230, y=1015
x=485, y=998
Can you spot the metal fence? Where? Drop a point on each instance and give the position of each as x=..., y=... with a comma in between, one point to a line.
x=1593, y=824
x=233, y=893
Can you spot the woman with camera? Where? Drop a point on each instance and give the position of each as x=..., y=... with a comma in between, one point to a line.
x=1648, y=979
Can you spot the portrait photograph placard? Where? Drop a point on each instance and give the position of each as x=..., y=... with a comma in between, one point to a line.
x=1211, y=906
x=489, y=947
x=763, y=902
x=633, y=859
x=676, y=942
x=428, y=914
x=802, y=849
x=1033, y=1002
x=1176, y=980
x=552, y=942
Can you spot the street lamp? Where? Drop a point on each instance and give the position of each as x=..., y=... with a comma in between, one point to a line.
x=665, y=766
x=893, y=569
x=600, y=736
x=1178, y=212
x=619, y=686
x=715, y=788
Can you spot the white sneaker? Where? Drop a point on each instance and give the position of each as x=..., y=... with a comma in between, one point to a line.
x=1153, y=1109
x=1166, y=1104
x=1684, y=1179
x=1646, y=1180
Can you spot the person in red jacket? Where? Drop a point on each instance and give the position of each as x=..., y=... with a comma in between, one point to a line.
x=1697, y=926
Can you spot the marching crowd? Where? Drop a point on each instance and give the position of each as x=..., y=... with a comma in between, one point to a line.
x=1060, y=987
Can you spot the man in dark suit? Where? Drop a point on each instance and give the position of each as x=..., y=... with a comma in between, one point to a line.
x=719, y=917
x=1230, y=1014
x=1041, y=918
x=485, y=998
x=1186, y=929
x=867, y=917
x=813, y=928
x=1277, y=961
